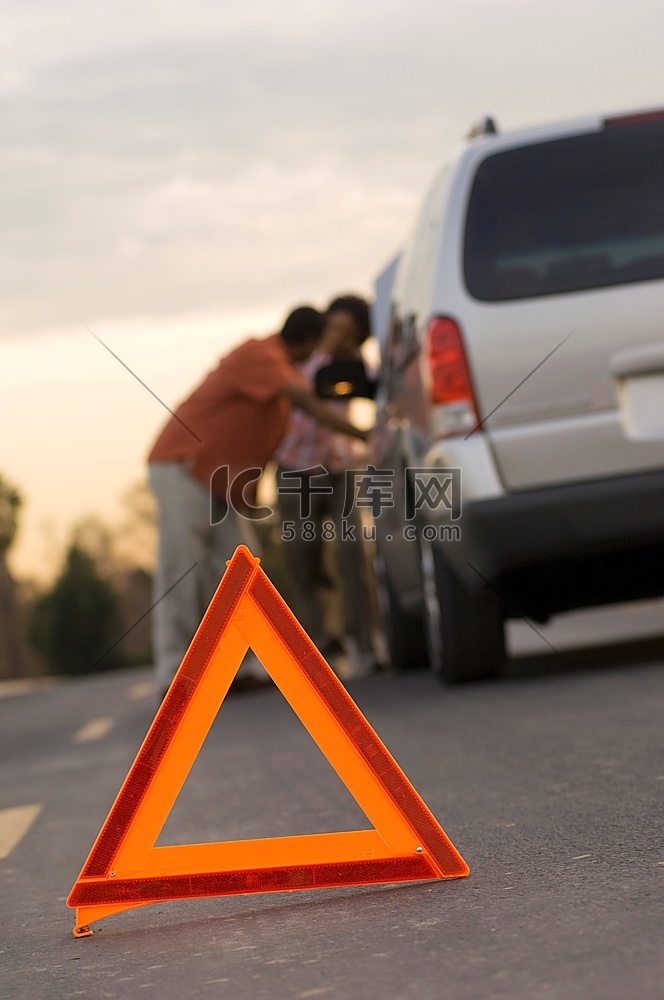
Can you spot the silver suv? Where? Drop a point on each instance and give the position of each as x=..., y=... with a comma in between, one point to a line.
x=521, y=399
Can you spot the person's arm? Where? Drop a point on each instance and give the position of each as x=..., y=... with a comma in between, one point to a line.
x=326, y=415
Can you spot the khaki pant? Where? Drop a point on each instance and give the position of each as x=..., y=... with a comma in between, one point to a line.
x=194, y=552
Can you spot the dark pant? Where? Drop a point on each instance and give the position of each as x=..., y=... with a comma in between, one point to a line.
x=303, y=552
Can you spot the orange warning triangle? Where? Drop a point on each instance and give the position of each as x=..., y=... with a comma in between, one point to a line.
x=125, y=869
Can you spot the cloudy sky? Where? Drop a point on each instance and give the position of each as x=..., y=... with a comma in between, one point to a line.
x=174, y=175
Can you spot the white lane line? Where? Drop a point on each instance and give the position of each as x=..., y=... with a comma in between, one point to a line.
x=95, y=729
x=143, y=689
x=14, y=824
x=8, y=689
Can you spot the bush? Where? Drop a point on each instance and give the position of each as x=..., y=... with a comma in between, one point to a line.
x=75, y=624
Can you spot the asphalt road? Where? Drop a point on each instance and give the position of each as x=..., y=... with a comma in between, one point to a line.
x=550, y=783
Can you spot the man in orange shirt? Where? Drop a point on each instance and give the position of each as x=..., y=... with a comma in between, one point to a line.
x=205, y=465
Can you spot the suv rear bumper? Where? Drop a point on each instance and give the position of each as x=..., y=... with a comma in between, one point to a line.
x=563, y=526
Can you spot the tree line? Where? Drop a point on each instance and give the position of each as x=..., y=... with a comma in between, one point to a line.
x=93, y=615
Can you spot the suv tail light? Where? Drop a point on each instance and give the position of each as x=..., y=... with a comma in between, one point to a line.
x=451, y=385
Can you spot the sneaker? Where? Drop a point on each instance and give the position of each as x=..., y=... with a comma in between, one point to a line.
x=362, y=665
x=358, y=663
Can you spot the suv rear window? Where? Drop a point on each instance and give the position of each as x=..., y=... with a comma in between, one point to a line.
x=568, y=214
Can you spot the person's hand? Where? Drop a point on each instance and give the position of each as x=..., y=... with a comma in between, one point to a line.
x=322, y=412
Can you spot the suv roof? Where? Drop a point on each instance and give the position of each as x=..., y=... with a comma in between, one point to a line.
x=479, y=133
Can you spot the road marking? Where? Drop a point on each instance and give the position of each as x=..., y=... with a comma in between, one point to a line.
x=8, y=689
x=143, y=689
x=14, y=824
x=95, y=729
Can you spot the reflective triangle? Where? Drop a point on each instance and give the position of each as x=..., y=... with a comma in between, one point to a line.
x=125, y=869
